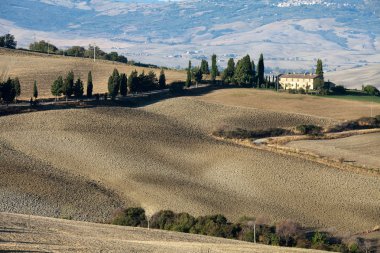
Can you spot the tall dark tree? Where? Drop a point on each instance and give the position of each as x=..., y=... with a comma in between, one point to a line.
x=204, y=67
x=35, y=90
x=260, y=70
x=188, y=79
x=68, y=85
x=162, y=80
x=90, y=85
x=229, y=72
x=243, y=72
x=214, y=68
x=320, y=82
x=319, y=70
x=253, y=71
x=56, y=88
x=8, y=41
x=17, y=86
x=78, y=88
x=114, y=84
x=123, y=85
x=133, y=82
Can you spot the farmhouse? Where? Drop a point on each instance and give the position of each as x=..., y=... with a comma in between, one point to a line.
x=297, y=81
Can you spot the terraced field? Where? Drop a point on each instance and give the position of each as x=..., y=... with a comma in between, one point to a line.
x=161, y=156
x=45, y=69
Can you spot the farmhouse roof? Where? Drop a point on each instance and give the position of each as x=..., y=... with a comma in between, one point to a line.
x=300, y=76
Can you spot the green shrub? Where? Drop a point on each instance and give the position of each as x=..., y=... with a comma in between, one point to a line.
x=353, y=248
x=134, y=217
x=309, y=129
x=252, y=134
x=301, y=91
x=176, y=87
x=339, y=90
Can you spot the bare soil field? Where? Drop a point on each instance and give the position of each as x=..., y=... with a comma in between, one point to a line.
x=293, y=103
x=23, y=233
x=45, y=69
x=162, y=156
x=362, y=150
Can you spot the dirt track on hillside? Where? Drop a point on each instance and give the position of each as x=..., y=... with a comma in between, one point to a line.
x=162, y=157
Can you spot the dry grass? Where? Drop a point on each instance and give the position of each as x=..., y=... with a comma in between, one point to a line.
x=37, y=234
x=162, y=157
x=292, y=103
x=45, y=69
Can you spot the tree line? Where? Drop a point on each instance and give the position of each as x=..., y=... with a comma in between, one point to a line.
x=285, y=233
x=77, y=51
x=8, y=41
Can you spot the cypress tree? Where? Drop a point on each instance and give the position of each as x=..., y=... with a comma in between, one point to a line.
x=243, y=71
x=90, y=85
x=162, y=80
x=197, y=73
x=319, y=70
x=188, y=79
x=113, y=84
x=204, y=67
x=35, y=90
x=260, y=70
x=132, y=82
x=214, y=68
x=56, y=88
x=229, y=72
x=17, y=86
x=78, y=88
x=319, y=84
x=253, y=72
x=123, y=85
x=68, y=84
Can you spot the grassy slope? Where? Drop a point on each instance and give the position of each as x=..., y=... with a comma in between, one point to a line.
x=24, y=233
x=45, y=69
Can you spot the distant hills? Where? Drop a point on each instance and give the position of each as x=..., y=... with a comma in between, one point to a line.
x=290, y=33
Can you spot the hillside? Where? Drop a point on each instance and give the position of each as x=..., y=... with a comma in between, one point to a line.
x=23, y=233
x=161, y=156
x=45, y=69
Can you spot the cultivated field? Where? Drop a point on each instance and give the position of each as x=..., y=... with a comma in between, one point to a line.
x=22, y=233
x=162, y=156
x=359, y=150
x=304, y=104
x=45, y=69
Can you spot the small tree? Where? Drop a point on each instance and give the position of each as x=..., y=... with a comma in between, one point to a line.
x=90, y=86
x=78, y=88
x=35, y=90
x=286, y=230
x=371, y=90
x=229, y=72
x=56, y=88
x=8, y=91
x=8, y=41
x=123, y=85
x=162, y=80
x=188, y=79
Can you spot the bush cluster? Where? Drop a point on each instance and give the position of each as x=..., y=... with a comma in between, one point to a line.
x=362, y=123
x=9, y=90
x=309, y=129
x=252, y=134
x=285, y=233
